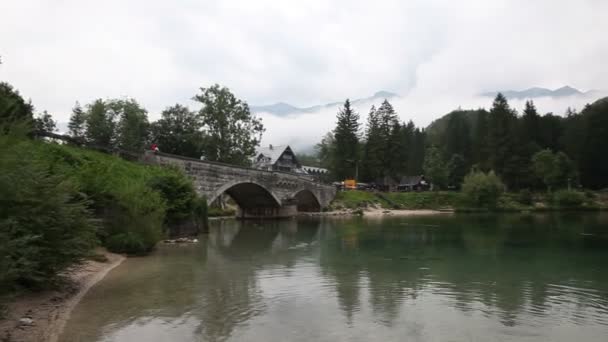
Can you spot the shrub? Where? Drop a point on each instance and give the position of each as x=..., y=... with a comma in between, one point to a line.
x=45, y=225
x=128, y=242
x=525, y=197
x=177, y=191
x=569, y=198
x=482, y=190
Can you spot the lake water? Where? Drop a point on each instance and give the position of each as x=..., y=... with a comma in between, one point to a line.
x=431, y=278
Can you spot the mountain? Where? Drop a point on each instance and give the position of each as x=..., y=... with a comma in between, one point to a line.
x=538, y=92
x=285, y=109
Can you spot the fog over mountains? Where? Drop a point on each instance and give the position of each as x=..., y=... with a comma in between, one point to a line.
x=285, y=109
x=303, y=127
x=536, y=92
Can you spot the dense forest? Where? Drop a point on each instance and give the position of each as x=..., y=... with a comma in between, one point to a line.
x=527, y=150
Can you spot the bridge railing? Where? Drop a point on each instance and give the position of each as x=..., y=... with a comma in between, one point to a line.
x=175, y=156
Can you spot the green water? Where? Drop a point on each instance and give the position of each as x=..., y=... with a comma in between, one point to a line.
x=433, y=278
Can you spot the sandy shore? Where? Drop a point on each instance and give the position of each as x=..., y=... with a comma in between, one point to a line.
x=50, y=310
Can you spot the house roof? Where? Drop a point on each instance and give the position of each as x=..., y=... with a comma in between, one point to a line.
x=273, y=152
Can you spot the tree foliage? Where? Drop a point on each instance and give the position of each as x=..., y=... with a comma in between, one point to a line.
x=232, y=133
x=178, y=131
x=482, y=190
x=13, y=108
x=346, y=140
x=435, y=168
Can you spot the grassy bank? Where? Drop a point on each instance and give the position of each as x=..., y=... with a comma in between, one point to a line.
x=59, y=202
x=522, y=201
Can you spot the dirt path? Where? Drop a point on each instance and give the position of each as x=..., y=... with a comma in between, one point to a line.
x=41, y=317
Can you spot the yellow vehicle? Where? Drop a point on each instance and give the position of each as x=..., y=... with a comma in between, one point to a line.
x=350, y=184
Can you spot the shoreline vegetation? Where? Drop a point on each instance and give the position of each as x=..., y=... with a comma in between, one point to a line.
x=358, y=202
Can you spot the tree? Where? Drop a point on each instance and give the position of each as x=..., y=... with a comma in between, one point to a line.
x=178, y=131
x=232, y=132
x=435, y=168
x=481, y=148
x=346, y=139
x=531, y=124
x=504, y=158
x=78, y=123
x=132, y=128
x=554, y=169
x=397, y=151
x=45, y=123
x=325, y=151
x=457, y=170
x=101, y=123
x=13, y=108
x=482, y=190
x=416, y=152
x=374, y=147
x=457, y=138
x=594, y=165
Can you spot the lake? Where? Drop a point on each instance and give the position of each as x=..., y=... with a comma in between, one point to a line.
x=426, y=278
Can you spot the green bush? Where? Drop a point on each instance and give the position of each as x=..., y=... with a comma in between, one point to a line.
x=569, y=198
x=128, y=242
x=177, y=192
x=525, y=197
x=45, y=225
x=482, y=190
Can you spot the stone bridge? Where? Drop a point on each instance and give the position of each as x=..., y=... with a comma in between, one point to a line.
x=258, y=193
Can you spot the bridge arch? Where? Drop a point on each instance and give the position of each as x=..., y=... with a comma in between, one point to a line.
x=247, y=194
x=307, y=201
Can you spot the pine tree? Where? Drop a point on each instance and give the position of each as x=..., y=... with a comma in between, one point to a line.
x=416, y=152
x=531, y=123
x=481, y=149
x=457, y=139
x=387, y=119
x=502, y=140
x=77, y=125
x=373, y=150
x=346, y=139
x=397, y=151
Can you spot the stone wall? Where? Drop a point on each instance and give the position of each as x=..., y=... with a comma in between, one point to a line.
x=276, y=189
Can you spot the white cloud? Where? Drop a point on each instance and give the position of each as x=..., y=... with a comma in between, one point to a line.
x=437, y=53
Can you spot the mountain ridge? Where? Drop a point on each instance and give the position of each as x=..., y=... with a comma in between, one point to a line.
x=285, y=109
x=535, y=92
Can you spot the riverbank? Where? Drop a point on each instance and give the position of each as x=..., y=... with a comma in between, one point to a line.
x=359, y=202
x=40, y=317
x=378, y=212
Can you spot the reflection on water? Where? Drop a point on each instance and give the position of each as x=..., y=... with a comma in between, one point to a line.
x=443, y=278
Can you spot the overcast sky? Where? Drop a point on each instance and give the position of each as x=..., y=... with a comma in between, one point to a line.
x=436, y=53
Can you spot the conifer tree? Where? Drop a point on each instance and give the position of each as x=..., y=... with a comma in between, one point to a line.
x=77, y=124
x=346, y=140
x=502, y=140
x=373, y=150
